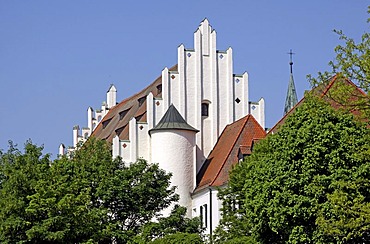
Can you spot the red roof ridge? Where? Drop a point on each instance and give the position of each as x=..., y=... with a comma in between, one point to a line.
x=285, y=115
x=332, y=80
x=336, y=77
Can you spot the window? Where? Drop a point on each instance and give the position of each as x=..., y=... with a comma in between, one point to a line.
x=203, y=215
x=99, y=118
x=119, y=130
x=123, y=113
x=159, y=88
x=141, y=100
x=106, y=122
x=86, y=135
x=205, y=108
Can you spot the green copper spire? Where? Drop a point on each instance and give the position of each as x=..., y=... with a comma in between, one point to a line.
x=291, y=96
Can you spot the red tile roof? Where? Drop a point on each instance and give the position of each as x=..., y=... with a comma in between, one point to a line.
x=134, y=106
x=245, y=150
x=240, y=134
x=324, y=92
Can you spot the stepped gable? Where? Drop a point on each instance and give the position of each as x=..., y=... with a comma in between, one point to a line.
x=116, y=121
x=323, y=91
x=172, y=119
x=236, y=137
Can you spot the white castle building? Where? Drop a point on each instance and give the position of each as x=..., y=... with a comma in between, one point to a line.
x=195, y=121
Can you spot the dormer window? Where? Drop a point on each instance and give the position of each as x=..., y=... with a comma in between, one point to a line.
x=141, y=100
x=205, y=109
x=105, y=123
x=119, y=130
x=159, y=89
x=123, y=113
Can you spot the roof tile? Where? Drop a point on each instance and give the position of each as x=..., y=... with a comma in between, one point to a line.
x=241, y=133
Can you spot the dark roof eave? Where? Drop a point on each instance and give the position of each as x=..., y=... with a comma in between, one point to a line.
x=173, y=128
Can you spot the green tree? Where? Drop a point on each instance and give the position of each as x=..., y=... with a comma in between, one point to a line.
x=19, y=174
x=174, y=227
x=352, y=62
x=67, y=199
x=86, y=198
x=308, y=183
x=179, y=238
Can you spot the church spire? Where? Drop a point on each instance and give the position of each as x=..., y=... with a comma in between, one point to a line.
x=291, y=97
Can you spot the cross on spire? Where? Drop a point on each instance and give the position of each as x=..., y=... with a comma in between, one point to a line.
x=291, y=60
x=291, y=97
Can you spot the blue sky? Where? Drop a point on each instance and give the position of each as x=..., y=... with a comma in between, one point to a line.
x=59, y=57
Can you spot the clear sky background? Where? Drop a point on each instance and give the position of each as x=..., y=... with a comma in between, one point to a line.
x=59, y=57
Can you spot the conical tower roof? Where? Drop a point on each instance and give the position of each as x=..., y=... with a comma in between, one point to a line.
x=172, y=120
x=291, y=96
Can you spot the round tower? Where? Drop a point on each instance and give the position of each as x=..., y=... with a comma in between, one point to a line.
x=174, y=149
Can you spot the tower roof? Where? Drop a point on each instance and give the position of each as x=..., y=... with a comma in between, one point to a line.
x=172, y=119
x=112, y=88
x=291, y=96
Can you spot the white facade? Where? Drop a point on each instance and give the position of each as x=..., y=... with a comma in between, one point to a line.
x=206, y=205
x=209, y=96
x=177, y=154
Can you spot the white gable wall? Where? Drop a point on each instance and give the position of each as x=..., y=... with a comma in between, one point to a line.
x=206, y=75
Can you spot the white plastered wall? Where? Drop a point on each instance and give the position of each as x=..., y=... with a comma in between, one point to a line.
x=204, y=75
x=257, y=109
x=209, y=198
x=111, y=96
x=142, y=140
x=174, y=151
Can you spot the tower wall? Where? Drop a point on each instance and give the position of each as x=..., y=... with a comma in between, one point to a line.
x=174, y=151
x=111, y=96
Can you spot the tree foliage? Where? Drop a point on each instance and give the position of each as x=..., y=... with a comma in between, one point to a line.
x=308, y=183
x=86, y=198
x=20, y=173
x=352, y=62
x=173, y=229
x=179, y=238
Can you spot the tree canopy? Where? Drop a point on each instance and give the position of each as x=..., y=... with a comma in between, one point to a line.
x=85, y=198
x=352, y=61
x=308, y=183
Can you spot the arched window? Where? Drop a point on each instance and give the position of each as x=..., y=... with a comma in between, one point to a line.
x=205, y=109
x=86, y=135
x=99, y=118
